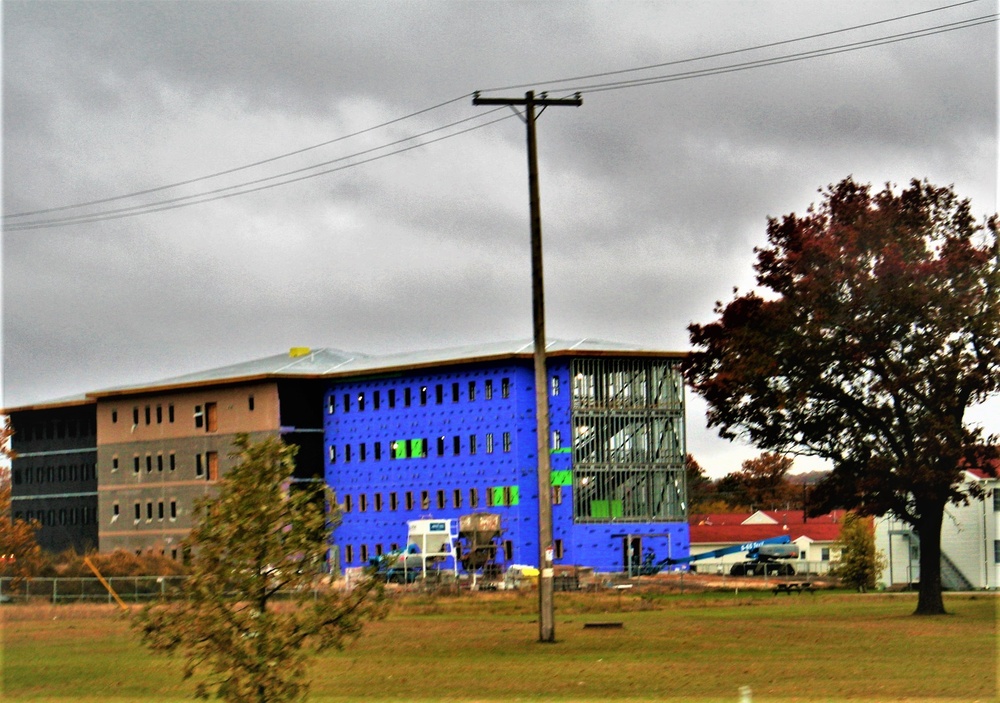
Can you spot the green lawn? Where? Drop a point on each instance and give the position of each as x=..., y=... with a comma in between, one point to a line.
x=698, y=647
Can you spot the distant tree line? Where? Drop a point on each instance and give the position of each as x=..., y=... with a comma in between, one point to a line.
x=763, y=483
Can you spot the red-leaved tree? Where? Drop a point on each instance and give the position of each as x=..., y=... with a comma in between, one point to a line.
x=876, y=328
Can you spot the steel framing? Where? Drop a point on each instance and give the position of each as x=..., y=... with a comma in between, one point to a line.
x=628, y=443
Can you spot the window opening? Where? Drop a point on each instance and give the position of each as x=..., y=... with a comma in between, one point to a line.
x=505, y=387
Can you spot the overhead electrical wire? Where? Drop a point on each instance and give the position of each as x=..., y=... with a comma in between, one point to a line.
x=789, y=58
x=244, y=167
x=205, y=196
x=252, y=186
x=720, y=54
x=173, y=204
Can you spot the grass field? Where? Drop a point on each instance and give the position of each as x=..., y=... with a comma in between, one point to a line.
x=695, y=647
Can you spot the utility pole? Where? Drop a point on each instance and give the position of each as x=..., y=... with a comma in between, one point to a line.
x=546, y=611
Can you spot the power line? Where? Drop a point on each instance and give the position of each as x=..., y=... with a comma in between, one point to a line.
x=244, y=187
x=163, y=206
x=236, y=169
x=720, y=54
x=204, y=196
x=788, y=58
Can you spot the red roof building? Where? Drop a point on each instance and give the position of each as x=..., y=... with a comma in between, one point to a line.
x=815, y=537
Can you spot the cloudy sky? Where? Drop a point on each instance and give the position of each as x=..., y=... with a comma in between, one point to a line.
x=654, y=193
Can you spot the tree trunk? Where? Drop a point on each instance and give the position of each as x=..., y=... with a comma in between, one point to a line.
x=929, y=600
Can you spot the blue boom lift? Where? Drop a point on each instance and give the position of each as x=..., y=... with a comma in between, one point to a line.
x=762, y=558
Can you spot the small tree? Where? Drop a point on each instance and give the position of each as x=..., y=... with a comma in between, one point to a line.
x=20, y=555
x=860, y=563
x=260, y=537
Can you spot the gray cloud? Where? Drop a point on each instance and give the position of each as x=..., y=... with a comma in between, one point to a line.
x=653, y=198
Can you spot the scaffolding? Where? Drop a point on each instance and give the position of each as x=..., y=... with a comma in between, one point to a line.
x=628, y=443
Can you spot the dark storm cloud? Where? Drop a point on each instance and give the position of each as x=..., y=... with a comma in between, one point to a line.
x=653, y=198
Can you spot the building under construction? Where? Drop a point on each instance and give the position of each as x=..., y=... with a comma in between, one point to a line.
x=436, y=434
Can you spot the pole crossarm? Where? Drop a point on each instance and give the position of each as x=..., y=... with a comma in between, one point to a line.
x=546, y=609
x=529, y=99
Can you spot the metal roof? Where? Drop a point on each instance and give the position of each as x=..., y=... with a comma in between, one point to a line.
x=327, y=362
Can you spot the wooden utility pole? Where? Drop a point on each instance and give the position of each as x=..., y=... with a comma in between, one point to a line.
x=546, y=611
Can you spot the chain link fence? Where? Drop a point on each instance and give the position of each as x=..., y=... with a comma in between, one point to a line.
x=89, y=590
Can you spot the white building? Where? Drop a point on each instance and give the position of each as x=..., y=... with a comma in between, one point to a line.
x=970, y=542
